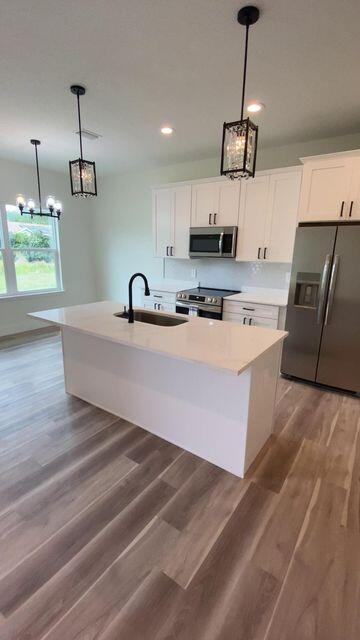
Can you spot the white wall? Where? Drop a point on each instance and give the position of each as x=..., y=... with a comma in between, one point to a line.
x=78, y=266
x=122, y=224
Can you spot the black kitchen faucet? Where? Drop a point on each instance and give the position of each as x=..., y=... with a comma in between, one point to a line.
x=130, y=312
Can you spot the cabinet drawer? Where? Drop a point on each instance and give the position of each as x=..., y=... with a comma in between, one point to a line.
x=268, y=323
x=254, y=310
x=162, y=296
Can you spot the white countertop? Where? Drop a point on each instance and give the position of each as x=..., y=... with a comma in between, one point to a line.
x=215, y=343
x=276, y=297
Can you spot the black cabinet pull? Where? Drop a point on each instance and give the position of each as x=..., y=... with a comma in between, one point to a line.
x=250, y=321
x=210, y=214
x=244, y=320
x=351, y=208
x=215, y=214
x=265, y=250
x=167, y=251
x=342, y=209
x=248, y=309
x=259, y=249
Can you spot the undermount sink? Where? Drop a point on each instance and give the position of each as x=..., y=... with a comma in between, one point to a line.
x=159, y=319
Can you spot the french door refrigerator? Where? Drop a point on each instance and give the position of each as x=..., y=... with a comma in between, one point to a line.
x=323, y=314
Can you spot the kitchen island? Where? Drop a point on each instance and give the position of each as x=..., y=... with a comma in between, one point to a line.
x=207, y=386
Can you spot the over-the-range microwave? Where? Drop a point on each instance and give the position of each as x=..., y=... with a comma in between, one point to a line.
x=212, y=243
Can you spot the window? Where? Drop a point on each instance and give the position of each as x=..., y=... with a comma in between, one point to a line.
x=29, y=253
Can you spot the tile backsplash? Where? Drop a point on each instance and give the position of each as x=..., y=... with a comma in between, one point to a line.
x=229, y=274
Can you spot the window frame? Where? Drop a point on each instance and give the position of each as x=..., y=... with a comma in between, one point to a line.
x=7, y=252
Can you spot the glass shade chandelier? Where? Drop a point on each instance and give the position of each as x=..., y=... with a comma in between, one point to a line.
x=53, y=206
x=239, y=141
x=82, y=172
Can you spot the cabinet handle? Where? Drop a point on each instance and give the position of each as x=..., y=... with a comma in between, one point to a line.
x=215, y=214
x=157, y=296
x=259, y=249
x=250, y=321
x=265, y=250
x=248, y=309
x=351, y=208
x=210, y=214
x=171, y=250
x=167, y=251
x=244, y=320
x=342, y=209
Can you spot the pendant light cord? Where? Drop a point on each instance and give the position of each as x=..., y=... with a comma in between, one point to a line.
x=38, y=176
x=245, y=70
x=78, y=105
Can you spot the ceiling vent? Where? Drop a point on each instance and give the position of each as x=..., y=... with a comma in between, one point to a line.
x=89, y=135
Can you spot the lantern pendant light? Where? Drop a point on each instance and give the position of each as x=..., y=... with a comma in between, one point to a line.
x=239, y=141
x=82, y=172
x=53, y=206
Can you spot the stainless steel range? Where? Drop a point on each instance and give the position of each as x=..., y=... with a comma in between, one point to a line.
x=203, y=302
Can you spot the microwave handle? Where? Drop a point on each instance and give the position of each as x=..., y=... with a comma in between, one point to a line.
x=221, y=240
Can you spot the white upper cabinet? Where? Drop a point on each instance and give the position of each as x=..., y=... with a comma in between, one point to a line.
x=268, y=216
x=326, y=188
x=215, y=203
x=181, y=221
x=171, y=221
x=252, y=218
x=281, y=218
x=352, y=211
x=162, y=221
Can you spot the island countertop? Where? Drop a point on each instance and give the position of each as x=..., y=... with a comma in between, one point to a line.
x=215, y=343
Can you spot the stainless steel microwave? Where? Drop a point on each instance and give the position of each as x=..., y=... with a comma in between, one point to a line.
x=208, y=242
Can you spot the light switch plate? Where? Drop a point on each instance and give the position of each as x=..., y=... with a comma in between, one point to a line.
x=193, y=273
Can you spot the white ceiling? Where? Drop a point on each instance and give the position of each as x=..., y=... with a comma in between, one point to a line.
x=150, y=62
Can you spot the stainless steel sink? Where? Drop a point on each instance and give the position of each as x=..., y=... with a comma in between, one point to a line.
x=159, y=319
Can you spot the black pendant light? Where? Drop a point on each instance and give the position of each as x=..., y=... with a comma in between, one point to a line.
x=239, y=141
x=53, y=206
x=82, y=172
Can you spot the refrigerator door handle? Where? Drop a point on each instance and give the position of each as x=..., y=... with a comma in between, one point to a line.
x=323, y=286
x=330, y=301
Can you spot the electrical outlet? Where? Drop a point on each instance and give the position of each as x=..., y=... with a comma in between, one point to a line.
x=193, y=273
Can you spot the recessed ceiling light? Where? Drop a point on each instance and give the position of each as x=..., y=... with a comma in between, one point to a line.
x=255, y=107
x=166, y=131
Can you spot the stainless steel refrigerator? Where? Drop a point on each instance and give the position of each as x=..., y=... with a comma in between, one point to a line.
x=323, y=314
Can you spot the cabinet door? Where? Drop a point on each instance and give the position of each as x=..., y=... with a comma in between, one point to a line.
x=252, y=218
x=227, y=203
x=203, y=204
x=325, y=189
x=283, y=202
x=181, y=215
x=352, y=211
x=162, y=221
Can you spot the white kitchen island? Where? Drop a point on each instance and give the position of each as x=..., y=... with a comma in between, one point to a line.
x=205, y=385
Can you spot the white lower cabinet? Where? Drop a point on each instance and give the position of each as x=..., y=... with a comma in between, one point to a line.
x=253, y=321
x=255, y=315
x=160, y=301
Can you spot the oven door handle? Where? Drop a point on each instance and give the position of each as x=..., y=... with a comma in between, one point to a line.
x=221, y=240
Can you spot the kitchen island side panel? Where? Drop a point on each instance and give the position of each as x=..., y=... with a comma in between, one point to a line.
x=198, y=408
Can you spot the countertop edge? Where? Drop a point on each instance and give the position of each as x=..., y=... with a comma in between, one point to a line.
x=226, y=370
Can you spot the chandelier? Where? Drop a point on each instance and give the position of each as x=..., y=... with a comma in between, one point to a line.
x=53, y=206
x=82, y=172
x=239, y=141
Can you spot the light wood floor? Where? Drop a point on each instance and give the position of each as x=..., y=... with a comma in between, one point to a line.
x=108, y=532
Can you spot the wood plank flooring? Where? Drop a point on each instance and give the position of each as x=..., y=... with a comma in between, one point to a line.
x=110, y=533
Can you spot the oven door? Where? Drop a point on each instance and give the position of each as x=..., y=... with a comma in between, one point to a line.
x=212, y=243
x=199, y=310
